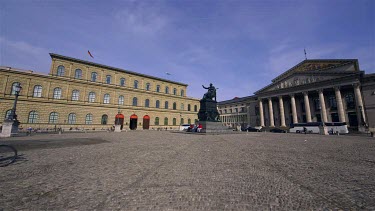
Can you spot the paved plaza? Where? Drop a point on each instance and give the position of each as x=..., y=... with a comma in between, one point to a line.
x=162, y=170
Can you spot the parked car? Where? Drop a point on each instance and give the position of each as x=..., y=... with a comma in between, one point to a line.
x=277, y=130
x=252, y=129
x=184, y=127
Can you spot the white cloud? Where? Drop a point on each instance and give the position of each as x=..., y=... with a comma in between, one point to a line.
x=141, y=19
x=23, y=55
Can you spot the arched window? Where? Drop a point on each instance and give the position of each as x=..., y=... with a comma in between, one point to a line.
x=72, y=118
x=148, y=86
x=175, y=91
x=182, y=106
x=182, y=121
x=121, y=100
x=106, y=99
x=8, y=113
x=108, y=79
x=195, y=108
x=189, y=121
x=174, y=121
x=174, y=106
x=37, y=91
x=157, y=104
x=60, y=70
x=92, y=97
x=166, y=90
x=156, y=120
x=14, y=85
x=122, y=81
x=94, y=76
x=189, y=107
x=166, y=105
x=135, y=101
x=104, y=119
x=75, y=95
x=33, y=117
x=88, y=119
x=78, y=74
x=165, y=121
x=53, y=117
x=147, y=103
x=349, y=98
x=157, y=88
x=182, y=92
x=135, y=84
x=57, y=93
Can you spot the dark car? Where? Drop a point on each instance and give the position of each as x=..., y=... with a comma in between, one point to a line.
x=277, y=130
x=252, y=129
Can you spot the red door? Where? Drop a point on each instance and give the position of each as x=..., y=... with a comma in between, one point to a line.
x=146, y=122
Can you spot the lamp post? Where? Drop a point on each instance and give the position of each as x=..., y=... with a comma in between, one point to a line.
x=10, y=125
x=13, y=115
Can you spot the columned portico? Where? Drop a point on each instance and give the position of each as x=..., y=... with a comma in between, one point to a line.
x=272, y=122
x=323, y=106
x=261, y=113
x=307, y=106
x=294, y=109
x=282, y=114
x=340, y=106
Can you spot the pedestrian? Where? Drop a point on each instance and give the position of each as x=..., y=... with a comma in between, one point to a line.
x=29, y=129
x=200, y=127
x=304, y=130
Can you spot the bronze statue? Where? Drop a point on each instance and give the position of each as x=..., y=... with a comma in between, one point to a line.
x=211, y=92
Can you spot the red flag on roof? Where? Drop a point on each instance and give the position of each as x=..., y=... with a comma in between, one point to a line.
x=90, y=54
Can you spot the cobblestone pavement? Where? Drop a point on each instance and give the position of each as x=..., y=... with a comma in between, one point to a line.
x=160, y=170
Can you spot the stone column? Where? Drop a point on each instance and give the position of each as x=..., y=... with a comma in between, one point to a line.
x=294, y=109
x=323, y=106
x=261, y=113
x=359, y=102
x=272, y=122
x=340, y=106
x=248, y=115
x=307, y=107
x=282, y=114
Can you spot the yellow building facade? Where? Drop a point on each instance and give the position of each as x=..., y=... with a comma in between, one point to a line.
x=78, y=94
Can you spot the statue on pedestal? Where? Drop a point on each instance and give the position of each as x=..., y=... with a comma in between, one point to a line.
x=208, y=110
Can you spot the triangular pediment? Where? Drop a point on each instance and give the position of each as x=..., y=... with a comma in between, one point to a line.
x=319, y=65
x=312, y=71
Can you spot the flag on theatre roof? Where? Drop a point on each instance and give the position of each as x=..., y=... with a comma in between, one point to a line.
x=90, y=54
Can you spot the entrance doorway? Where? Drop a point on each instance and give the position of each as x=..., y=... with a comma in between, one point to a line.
x=335, y=117
x=119, y=120
x=353, y=120
x=133, y=122
x=146, y=122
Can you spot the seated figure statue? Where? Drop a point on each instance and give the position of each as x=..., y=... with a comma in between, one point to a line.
x=211, y=92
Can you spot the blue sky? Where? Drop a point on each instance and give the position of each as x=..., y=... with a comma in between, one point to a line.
x=239, y=46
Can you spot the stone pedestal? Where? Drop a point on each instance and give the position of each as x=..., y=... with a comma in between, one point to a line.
x=214, y=127
x=10, y=127
x=208, y=110
x=323, y=130
x=117, y=128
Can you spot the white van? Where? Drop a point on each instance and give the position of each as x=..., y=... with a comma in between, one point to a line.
x=184, y=127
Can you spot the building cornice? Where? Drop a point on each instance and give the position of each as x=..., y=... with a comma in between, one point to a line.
x=57, y=56
x=346, y=80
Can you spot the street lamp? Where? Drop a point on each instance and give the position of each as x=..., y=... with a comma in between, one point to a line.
x=10, y=124
x=13, y=115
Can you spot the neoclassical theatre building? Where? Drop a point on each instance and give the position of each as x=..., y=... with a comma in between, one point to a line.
x=86, y=95
x=329, y=90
